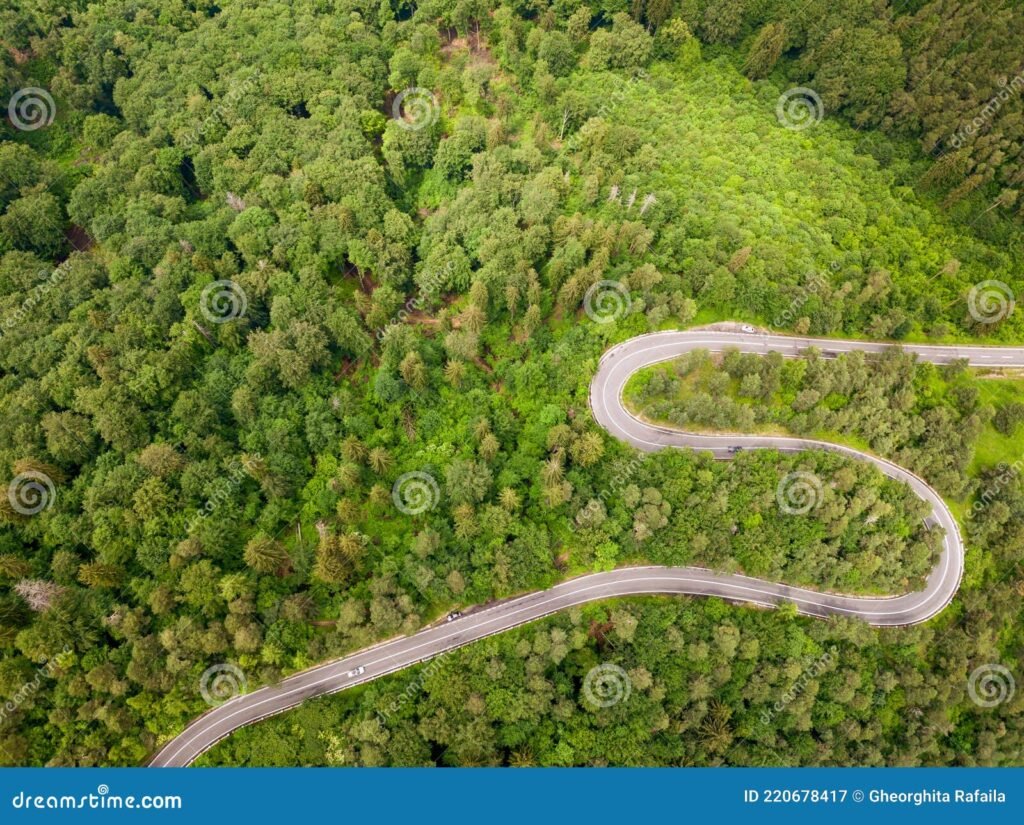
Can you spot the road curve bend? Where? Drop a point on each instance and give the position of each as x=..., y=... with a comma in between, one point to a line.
x=614, y=370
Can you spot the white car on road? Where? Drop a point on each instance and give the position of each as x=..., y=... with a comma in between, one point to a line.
x=359, y=671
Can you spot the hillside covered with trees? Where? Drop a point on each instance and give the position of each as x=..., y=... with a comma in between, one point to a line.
x=297, y=324
x=932, y=420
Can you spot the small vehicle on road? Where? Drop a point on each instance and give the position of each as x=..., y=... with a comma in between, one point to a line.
x=451, y=617
x=747, y=328
x=734, y=450
x=359, y=671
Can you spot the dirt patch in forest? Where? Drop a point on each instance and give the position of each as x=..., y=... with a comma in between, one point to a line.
x=452, y=44
x=19, y=57
x=78, y=238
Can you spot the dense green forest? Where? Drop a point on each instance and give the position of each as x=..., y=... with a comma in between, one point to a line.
x=691, y=683
x=294, y=357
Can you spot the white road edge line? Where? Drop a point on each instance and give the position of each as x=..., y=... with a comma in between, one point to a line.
x=607, y=387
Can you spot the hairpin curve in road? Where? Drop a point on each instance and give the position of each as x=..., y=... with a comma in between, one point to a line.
x=614, y=370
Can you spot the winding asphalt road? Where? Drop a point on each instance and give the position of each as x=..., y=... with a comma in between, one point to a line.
x=615, y=368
